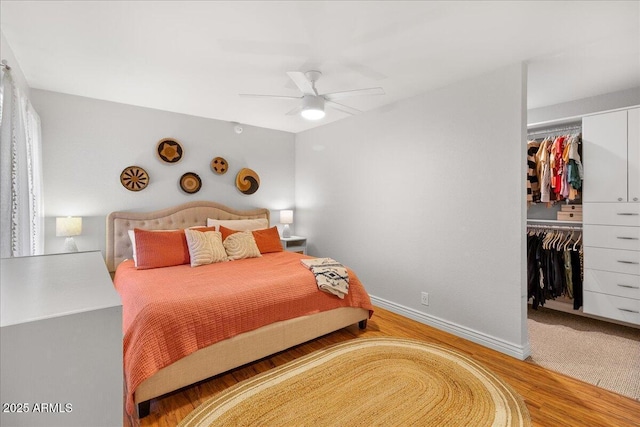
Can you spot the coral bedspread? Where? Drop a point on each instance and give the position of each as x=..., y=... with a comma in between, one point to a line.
x=171, y=312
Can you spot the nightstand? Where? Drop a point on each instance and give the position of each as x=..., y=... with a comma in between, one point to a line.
x=294, y=244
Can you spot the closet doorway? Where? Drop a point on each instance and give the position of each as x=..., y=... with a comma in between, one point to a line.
x=562, y=337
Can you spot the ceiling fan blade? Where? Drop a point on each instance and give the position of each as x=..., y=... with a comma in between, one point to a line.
x=251, y=95
x=295, y=111
x=356, y=92
x=302, y=82
x=341, y=107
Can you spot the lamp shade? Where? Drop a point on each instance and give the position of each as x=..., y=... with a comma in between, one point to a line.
x=286, y=217
x=68, y=226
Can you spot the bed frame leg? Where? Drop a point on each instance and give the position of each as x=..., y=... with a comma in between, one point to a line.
x=144, y=408
x=362, y=324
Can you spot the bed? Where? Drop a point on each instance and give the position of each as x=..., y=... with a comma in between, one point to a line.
x=190, y=355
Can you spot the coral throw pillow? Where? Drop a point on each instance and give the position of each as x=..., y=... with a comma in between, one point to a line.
x=268, y=240
x=160, y=248
x=226, y=232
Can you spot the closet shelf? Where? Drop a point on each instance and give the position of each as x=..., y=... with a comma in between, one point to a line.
x=553, y=221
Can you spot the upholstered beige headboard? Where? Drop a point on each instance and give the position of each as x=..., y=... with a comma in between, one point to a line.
x=182, y=216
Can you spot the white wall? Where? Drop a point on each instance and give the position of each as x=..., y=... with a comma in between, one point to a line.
x=16, y=72
x=87, y=143
x=428, y=195
x=585, y=106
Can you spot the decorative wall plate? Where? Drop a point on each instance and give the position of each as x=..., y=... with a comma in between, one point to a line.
x=169, y=150
x=190, y=182
x=247, y=181
x=134, y=178
x=219, y=165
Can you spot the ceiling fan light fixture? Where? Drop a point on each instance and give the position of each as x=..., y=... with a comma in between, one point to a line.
x=312, y=107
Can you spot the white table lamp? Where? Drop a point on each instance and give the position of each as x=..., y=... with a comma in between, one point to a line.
x=68, y=227
x=286, y=218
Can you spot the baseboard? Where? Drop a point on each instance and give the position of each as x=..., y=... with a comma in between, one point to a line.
x=517, y=351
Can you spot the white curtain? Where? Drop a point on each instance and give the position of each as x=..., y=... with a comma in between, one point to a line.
x=21, y=206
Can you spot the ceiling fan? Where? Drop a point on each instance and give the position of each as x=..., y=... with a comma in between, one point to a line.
x=313, y=103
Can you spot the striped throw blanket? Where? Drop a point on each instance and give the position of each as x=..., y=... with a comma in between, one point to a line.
x=331, y=276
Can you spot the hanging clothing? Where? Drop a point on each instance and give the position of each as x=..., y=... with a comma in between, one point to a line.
x=533, y=184
x=535, y=283
x=556, y=164
x=568, y=273
x=544, y=171
x=554, y=268
x=575, y=173
x=558, y=169
x=577, y=275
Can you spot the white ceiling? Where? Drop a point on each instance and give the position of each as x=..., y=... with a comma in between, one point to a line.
x=196, y=57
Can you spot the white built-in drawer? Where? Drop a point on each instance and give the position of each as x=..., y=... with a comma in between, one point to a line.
x=615, y=260
x=611, y=214
x=612, y=307
x=606, y=282
x=615, y=237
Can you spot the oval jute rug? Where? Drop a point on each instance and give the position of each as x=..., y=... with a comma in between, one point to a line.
x=367, y=382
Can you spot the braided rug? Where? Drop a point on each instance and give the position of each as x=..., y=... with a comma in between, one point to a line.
x=368, y=382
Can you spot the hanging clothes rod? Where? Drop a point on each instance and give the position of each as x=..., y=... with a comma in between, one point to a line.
x=4, y=65
x=553, y=131
x=555, y=227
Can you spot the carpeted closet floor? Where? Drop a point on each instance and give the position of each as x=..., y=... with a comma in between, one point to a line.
x=600, y=353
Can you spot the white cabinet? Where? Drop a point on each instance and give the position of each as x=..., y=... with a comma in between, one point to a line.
x=613, y=307
x=611, y=157
x=611, y=236
x=633, y=153
x=614, y=260
x=626, y=214
x=611, y=217
x=60, y=342
x=610, y=283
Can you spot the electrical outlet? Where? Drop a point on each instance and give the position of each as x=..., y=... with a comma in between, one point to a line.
x=424, y=298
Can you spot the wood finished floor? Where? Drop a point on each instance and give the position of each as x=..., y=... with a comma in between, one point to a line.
x=552, y=399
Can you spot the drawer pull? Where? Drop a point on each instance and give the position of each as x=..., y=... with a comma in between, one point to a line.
x=628, y=311
x=628, y=214
x=627, y=238
x=628, y=262
x=629, y=286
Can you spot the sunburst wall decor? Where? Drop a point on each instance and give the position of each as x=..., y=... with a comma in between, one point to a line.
x=134, y=178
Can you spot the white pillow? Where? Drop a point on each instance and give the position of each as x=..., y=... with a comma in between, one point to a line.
x=205, y=247
x=239, y=224
x=132, y=237
x=241, y=245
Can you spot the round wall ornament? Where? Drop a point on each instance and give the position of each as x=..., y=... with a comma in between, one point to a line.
x=190, y=182
x=169, y=150
x=247, y=181
x=134, y=178
x=219, y=165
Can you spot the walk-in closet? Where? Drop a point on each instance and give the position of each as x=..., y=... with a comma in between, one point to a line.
x=583, y=238
x=555, y=176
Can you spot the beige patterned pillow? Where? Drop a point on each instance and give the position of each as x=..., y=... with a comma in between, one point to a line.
x=241, y=245
x=205, y=248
